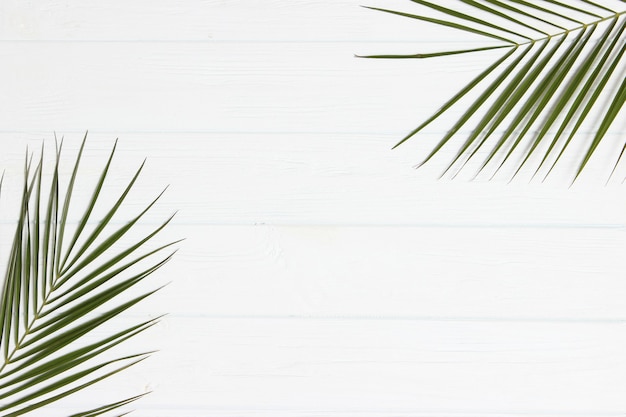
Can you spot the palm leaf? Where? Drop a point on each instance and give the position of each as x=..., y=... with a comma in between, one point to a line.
x=62, y=283
x=560, y=61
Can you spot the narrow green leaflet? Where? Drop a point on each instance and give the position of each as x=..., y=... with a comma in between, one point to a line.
x=449, y=23
x=609, y=117
x=434, y=54
x=106, y=408
x=531, y=101
x=619, y=159
x=64, y=279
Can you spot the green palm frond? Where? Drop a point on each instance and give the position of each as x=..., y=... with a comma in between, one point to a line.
x=562, y=67
x=64, y=280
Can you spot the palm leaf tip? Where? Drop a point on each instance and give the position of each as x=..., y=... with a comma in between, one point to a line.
x=56, y=296
x=562, y=71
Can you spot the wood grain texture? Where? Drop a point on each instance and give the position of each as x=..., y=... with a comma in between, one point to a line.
x=322, y=275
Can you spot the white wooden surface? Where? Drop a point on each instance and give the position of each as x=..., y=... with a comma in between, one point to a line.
x=321, y=275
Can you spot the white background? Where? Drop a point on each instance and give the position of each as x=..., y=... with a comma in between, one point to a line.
x=321, y=274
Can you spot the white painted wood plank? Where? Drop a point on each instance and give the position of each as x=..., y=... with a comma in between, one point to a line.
x=497, y=274
x=313, y=179
x=208, y=21
x=218, y=20
x=188, y=20
x=339, y=367
x=240, y=87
